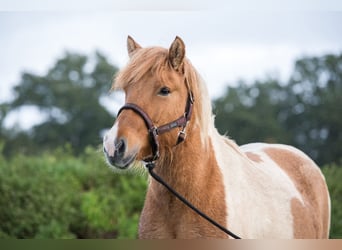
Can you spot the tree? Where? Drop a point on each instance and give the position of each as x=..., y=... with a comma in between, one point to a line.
x=305, y=112
x=249, y=112
x=69, y=96
x=315, y=116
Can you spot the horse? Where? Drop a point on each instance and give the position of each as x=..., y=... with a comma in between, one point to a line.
x=257, y=190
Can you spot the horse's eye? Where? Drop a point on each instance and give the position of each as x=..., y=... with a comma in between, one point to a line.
x=164, y=91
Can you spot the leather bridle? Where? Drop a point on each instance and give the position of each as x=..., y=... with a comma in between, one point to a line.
x=154, y=132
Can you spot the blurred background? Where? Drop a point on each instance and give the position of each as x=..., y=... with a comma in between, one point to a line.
x=273, y=70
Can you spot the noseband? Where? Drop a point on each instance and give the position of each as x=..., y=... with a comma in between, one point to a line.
x=154, y=131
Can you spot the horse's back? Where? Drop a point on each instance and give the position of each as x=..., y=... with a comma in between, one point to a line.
x=310, y=212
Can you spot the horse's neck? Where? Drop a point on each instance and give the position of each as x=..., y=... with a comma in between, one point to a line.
x=191, y=169
x=183, y=166
x=194, y=173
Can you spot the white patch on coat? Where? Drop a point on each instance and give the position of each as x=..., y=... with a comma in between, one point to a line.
x=258, y=195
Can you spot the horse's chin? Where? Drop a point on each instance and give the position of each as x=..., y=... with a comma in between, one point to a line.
x=123, y=165
x=121, y=169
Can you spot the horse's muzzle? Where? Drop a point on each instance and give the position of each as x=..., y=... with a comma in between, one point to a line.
x=120, y=159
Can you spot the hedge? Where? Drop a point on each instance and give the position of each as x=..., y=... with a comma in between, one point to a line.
x=333, y=176
x=59, y=195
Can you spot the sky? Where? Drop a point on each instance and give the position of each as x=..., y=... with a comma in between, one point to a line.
x=225, y=40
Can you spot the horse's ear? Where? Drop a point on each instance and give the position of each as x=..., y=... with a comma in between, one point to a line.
x=177, y=53
x=132, y=46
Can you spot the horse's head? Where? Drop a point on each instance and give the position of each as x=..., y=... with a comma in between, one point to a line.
x=155, y=81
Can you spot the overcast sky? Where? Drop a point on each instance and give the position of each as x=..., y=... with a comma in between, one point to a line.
x=225, y=41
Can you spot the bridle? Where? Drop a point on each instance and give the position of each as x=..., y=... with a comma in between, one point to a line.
x=153, y=133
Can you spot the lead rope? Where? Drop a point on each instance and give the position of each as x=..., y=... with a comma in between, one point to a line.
x=151, y=165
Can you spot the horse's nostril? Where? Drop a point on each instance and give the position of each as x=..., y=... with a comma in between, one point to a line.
x=120, y=148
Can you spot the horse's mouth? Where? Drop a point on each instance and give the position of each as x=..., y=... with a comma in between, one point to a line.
x=127, y=162
x=122, y=163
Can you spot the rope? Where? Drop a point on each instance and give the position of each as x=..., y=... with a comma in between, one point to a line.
x=150, y=167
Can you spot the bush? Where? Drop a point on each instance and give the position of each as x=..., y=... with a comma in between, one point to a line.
x=57, y=195
x=333, y=175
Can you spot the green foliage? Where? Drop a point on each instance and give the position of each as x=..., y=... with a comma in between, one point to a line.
x=333, y=175
x=305, y=112
x=69, y=96
x=57, y=195
x=249, y=112
x=314, y=113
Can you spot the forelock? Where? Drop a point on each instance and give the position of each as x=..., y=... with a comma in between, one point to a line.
x=146, y=60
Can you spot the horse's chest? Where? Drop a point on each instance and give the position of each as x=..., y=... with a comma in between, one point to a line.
x=163, y=224
x=173, y=222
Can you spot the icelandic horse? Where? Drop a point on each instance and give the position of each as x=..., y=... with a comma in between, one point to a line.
x=256, y=190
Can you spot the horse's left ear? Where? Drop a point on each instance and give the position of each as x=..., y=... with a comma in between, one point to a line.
x=177, y=53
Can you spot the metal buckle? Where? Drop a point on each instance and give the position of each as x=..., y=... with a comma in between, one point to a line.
x=181, y=136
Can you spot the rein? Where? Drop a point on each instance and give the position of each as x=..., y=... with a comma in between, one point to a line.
x=153, y=132
x=151, y=165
